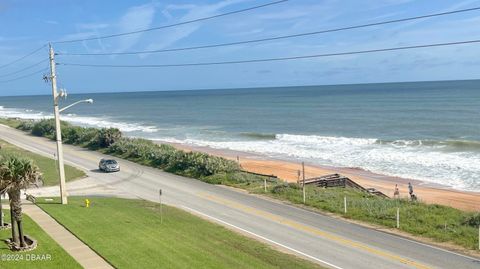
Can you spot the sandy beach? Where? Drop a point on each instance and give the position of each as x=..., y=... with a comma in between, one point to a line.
x=289, y=171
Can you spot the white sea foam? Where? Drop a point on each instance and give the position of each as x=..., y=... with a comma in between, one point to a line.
x=459, y=170
x=101, y=122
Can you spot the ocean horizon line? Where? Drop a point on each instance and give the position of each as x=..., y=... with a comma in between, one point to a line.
x=259, y=87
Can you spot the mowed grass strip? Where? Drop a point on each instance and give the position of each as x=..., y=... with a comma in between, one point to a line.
x=129, y=234
x=36, y=258
x=47, y=166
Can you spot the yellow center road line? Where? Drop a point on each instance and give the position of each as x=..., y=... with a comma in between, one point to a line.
x=312, y=230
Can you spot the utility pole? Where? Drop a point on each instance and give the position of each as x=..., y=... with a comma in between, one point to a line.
x=56, y=113
x=303, y=174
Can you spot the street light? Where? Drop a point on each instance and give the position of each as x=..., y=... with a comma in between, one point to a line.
x=61, y=168
x=58, y=132
x=89, y=101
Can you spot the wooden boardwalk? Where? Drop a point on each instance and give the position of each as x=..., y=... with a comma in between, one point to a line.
x=337, y=180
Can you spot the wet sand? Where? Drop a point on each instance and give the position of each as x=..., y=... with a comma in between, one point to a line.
x=289, y=171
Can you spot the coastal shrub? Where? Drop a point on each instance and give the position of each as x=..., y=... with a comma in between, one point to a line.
x=194, y=164
x=85, y=136
x=161, y=156
x=281, y=188
x=472, y=220
x=176, y=162
x=203, y=164
x=237, y=179
x=45, y=127
x=26, y=125
x=136, y=148
x=72, y=135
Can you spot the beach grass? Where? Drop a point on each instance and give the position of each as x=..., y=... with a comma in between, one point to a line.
x=47, y=166
x=133, y=236
x=47, y=255
x=14, y=123
x=441, y=223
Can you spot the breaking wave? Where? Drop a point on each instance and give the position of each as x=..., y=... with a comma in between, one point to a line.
x=101, y=122
x=452, y=163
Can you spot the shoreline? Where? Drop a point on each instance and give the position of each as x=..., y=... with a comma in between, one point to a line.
x=428, y=192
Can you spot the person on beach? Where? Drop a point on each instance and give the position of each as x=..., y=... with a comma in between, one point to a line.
x=413, y=197
x=396, y=193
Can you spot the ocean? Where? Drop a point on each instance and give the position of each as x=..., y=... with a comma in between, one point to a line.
x=428, y=131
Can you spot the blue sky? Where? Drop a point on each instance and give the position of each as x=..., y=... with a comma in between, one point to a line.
x=28, y=24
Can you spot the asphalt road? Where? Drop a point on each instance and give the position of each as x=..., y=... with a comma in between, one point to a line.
x=331, y=242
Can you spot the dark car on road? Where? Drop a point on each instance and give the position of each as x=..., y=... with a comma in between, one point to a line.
x=109, y=165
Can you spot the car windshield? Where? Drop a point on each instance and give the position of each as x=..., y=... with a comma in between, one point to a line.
x=110, y=162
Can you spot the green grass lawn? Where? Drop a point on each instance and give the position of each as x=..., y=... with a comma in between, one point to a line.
x=128, y=233
x=46, y=246
x=47, y=166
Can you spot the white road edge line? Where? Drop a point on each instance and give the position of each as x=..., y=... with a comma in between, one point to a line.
x=263, y=238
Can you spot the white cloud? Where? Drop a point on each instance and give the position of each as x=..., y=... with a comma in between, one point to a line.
x=136, y=18
x=192, y=12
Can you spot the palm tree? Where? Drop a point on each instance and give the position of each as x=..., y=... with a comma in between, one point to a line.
x=107, y=137
x=17, y=173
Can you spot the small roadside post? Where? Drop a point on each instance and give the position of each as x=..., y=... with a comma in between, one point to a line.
x=303, y=175
x=265, y=183
x=345, y=204
x=398, y=217
x=160, y=198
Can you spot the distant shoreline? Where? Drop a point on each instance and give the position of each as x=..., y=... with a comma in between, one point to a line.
x=287, y=170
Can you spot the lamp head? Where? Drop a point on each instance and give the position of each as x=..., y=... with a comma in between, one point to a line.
x=90, y=101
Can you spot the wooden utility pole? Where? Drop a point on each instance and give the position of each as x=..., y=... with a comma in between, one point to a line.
x=56, y=113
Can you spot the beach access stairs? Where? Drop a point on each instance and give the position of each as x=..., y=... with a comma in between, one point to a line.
x=337, y=180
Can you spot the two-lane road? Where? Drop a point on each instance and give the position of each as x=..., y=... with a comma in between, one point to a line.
x=329, y=241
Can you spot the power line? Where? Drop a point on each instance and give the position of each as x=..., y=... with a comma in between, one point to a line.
x=25, y=76
x=23, y=69
x=172, y=25
x=277, y=59
x=278, y=37
x=23, y=57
